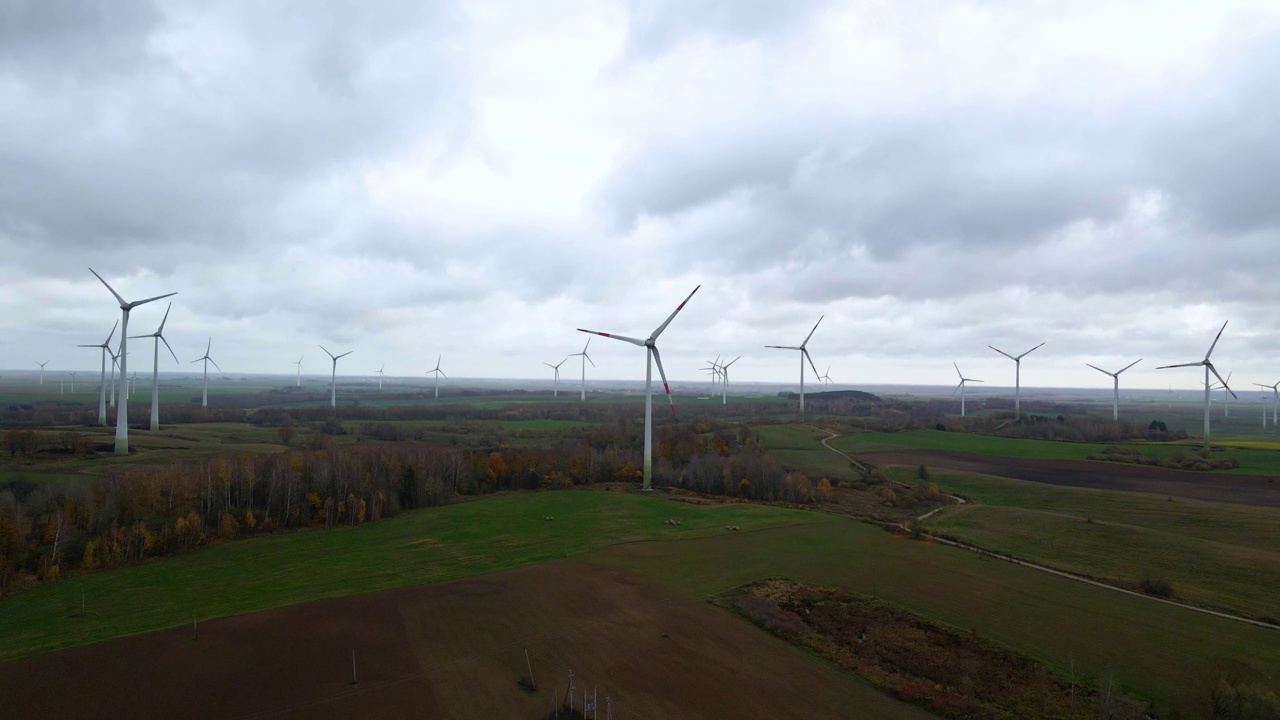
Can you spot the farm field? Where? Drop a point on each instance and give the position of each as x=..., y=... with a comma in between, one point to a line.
x=413, y=548
x=1254, y=460
x=456, y=650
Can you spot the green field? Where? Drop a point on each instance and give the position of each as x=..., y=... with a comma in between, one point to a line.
x=415, y=548
x=1254, y=460
x=798, y=447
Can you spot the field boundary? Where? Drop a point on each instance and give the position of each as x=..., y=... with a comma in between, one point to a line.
x=1062, y=573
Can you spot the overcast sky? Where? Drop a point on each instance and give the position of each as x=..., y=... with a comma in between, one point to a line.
x=404, y=179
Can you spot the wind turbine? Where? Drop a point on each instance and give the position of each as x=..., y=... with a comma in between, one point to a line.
x=650, y=345
x=42, y=364
x=1275, y=404
x=724, y=380
x=556, y=388
x=204, y=401
x=380, y=375
x=158, y=335
x=960, y=387
x=1208, y=368
x=102, y=400
x=1226, y=401
x=825, y=377
x=299, y=364
x=333, y=386
x=122, y=415
x=1017, y=377
x=804, y=354
x=438, y=372
x=714, y=368
x=73, y=380
x=1115, y=404
x=115, y=363
x=585, y=359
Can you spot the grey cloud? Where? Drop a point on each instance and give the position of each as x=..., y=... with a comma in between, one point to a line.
x=656, y=26
x=60, y=41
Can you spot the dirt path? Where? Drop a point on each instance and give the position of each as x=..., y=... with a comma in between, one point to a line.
x=910, y=458
x=831, y=436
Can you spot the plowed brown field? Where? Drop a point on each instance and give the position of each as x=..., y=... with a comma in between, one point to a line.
x=452, y=650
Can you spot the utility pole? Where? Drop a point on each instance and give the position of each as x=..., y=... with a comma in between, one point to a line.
x=354, y=680
x=608, y=704
x=529, y=666
x=570, y=691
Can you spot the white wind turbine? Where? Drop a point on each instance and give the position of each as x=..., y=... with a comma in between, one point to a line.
x=1017, y=377
x=825, y=377
x=438, y=373
x=960, y=388
x=585, y=359
x=122, y=415
x=381, y=374
x=1275, y=404
x=115, y=363
x=1115, y=402
x=42, y=364
x=73, y=380
x=299, y=364
x=1226, y=399
x=333, y=386
x=1208, y=368
x=102, y=400
x=555, y=392
x=652, y=355
x=713, y=366
x=158, y=335
x=724, y=380
x=204, y=401
x=804, y=355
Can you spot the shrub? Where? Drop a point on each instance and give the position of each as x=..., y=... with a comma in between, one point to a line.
x=1156, y=586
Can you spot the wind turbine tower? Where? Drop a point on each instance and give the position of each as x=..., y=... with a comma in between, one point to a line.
x=122, y=415
x=73, y=381
x=102, y=399
x=804, y=355
x=555, y=392
x=204, y=401
x=585, y=359
x=1275, y=404
x=42, y=364
x=299, y=364
x=1208, y=368
x=438, y=373
x=650, y=344
x=960, y=388
x=1017, y=377
x=1115, y=402
x=158, y=336
x=724, y=380
x=333, y=385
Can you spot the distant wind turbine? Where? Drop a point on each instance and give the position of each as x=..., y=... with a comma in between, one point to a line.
x=299, y=364
x=204, y=401
x=585, y=359
x=102, y=400
x=713, y=366
x=1017, y=377
x=439, y=373
x=1115, y=402
x=1275, y=404
x=73, y=380
x=724, y=380
x=42, y=364
x=333, y=386
x=960, y=388
x=825, y=377
x=650, y=344
x=1226, y=399
x=555, y=392
x=1208, y=368
x=158, y=336
x=804, y=355
x=122, y=415
x=381, y=374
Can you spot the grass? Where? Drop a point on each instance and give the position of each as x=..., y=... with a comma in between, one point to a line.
x=799, y=447
x=1253, y=460
x=415, y=548
x=1161, y=653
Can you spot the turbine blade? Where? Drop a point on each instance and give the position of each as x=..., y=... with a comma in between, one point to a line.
x=665, y=385
x=588, y=357
x=1104, y=372
x=214, y=363
x=171, y=352
x=726, y=366
x=326, y=352
x=811, y=332
x=623, y=338
x=953, y=392
x=1215, y=340
x=344, y=354
x=1126, y=367
x=1194, y=364
x=815, y=367
x=957, y=367
x=1030, y=351
x=993, y=347
x=113, y=292
x=784, y=347
x=446, y=377
x=112, y=333
x=165, y=320
x=971, y=380
x=1214, y=370
x=671, y=317
x=152, y=299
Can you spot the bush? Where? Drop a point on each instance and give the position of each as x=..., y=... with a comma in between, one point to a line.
x=1156, y=586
